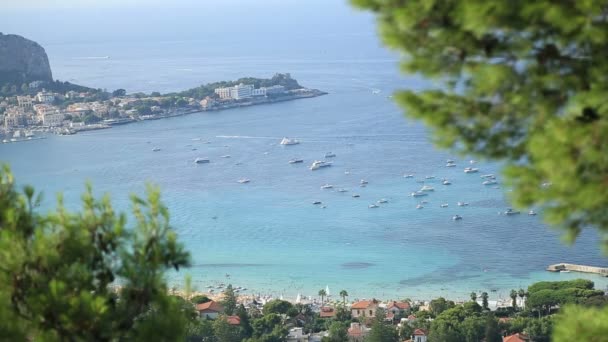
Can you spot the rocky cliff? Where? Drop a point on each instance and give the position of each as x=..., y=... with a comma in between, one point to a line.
x=22, y=60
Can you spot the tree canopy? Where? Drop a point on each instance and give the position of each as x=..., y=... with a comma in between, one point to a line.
x=523, y=82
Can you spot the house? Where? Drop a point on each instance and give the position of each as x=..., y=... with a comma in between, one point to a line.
x=365, y=308
x=516, y=338
x=327, y=312
x=396, y=309
x=233, y=320
x=357, y=332
x=209, y=309
x=419, y=335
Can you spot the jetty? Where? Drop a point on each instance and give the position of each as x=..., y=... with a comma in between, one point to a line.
x=603, y=271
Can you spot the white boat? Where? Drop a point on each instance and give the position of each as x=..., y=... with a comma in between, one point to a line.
x=429, y=177
x=296, y=161
x=446, y=182
x=225, y=156
x=363, y=181
x=317, y=164
x=287, y=141
x=450, y=161
x=408, y=176
x=564, y=271
x=531, y=213
x=327, y=186
x=424, y=202
x=450, y=165
x=427, y=188
x=443, y=205
x=5, y=141
x=472, y=161
x=510, y=212
x=456, y=217
x=382, y=200
x=419, y=206
x=156, y=149
x=244, y=180
x=489, y=182
x=470, y=170
x=342, y=190
x=418, y=194
x=356, y=195
x=371, y=206
x=201, y=161
x=330, y=155
x=462, y=204
x=489, y=175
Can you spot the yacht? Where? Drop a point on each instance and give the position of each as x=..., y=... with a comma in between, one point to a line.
x=5, y=141
x=419, y=194
x=201, y=161
x=450, y=165
x=427, y=188
x=489, y=175
x=327, y=186
x=382, y=200
x=489, y=182
x=156, y=149
x=408, y=176
x=356, y=195
x=287, y=141
x=462, y=204
x=443, y=205
x=446, y=182
x=330, y=155
x=244, y=180
x=429, y=177
x=225, y=156
x=317, y=202
x=317, y=164
x=419, y=206
x=531, y=213
x=371, y=206
x=296, y=161
x=456, y=217
x=510, y=212
x=470, y=170
x=363, y=181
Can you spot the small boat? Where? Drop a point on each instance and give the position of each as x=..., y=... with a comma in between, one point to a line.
x=330, y=155
x=408, y=176
x=342, y=190
x=456, y=217
x=472, y=161
x=327, y=186
x=489, y=182
x=450, y=161
x=470, y=170
x=296, y=161
x=372, y=206
x=564, y=271
x=510, y=212
x=429, y=177
x=156, y=149
x=446, y=182
x=347, y=172
x=363, y=181
x=287, y=141
x=244, y=180
x=196, y=139
x=419, y=206
x=427, y=188
x=317, y=202
x=531, y=213
x=462, y=204
x=489, y=175
x=450, y=165
x=356, y=195
x=418, y=194
x=225, y=156
x=193, y=149
x=443, y=205
x=4, y=141
x=201, y=161
x=317, y=164
x=382, y=200
x=424, y=202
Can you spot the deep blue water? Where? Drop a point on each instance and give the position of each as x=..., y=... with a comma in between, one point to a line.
x=266, y=234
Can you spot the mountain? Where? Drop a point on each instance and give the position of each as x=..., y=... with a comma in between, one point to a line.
x=22, y=61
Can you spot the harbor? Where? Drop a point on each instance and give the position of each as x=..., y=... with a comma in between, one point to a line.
x=564, y=267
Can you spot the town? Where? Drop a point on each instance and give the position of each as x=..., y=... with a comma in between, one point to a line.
x=33, y=109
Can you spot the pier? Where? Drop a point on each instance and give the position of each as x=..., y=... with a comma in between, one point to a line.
x=603, y=271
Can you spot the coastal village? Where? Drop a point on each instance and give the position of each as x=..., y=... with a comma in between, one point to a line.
x=526, y=316
x=37, y=110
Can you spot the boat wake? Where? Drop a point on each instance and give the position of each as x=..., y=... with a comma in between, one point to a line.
x=245, y=137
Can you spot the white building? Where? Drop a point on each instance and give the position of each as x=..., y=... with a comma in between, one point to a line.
x=238, y=92
x=45, y=97
x=276, y=89
x=223, y=93
x=25, y=102
x=259, y=92
x=53, y=119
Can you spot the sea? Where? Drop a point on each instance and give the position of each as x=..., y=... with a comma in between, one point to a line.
x=267, y=235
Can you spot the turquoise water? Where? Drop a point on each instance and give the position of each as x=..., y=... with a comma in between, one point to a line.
x=266, y=234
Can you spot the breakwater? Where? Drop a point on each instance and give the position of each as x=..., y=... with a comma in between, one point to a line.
x=578, y=268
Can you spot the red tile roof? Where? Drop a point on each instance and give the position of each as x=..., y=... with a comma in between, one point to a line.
x=209, y=307
x=516, y=338
x=364, y=304
x=327, y=312
x=399, y=305
x=233, y=320
x=419, y=332
x=411, y=318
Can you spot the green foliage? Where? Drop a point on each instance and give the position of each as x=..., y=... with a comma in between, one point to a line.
x=492, y=330
x=382, y=331
x=268, y=328
x=229, y=300
x=440, y=304
x=277, y=306
x=543, y=296
x=57, y=270
x=484, y=300
x=578, y=324
x=200, y=299
x=224, y=332
x=521, y=82
x=119, y=92
x=338, y=332
x=558, y=285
